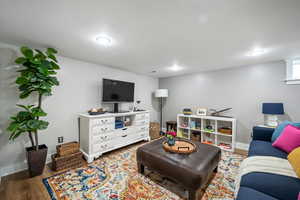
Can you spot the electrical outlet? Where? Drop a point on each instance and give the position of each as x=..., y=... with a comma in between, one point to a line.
x=60, y=139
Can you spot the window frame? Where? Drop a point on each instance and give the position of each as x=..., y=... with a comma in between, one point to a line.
x=290, y=80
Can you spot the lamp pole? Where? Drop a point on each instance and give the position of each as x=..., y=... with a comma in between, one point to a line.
x=161, y=116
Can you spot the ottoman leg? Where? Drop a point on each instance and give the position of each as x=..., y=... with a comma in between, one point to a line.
x=192, y=194
x=141, y=168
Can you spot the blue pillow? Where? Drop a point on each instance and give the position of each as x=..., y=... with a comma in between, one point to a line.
x=278, y=130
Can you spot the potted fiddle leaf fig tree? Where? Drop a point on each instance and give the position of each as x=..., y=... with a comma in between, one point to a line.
x=37, y=77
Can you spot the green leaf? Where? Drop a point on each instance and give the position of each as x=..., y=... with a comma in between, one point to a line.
x=43, y=125
x=28, y=53
x=12, y=126
x=51, y=51
x=46, y=63
x=25, y=94
x=24, y=115
x=15, y=135
x=33, y=124
x=51, y=56
x=43, y=70
x=54, y=81
x=38, y=112
x=40, y=54
x=20, y=60
x=21, y=80
x=54, y=65
x=35, y=61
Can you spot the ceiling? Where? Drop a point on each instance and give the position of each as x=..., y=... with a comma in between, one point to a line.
x=152, y=35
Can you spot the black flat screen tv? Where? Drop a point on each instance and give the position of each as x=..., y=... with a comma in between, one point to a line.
x=117, y=91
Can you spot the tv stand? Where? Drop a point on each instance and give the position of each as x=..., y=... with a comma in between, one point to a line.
x=116, y=108
x=98, y=133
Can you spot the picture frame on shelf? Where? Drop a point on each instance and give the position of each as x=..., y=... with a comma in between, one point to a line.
x=201, y=111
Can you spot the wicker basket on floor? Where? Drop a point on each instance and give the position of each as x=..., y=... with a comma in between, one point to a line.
x=65, y=162
x=67, y=148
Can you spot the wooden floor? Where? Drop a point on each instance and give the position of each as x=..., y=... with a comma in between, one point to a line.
x=20, y=187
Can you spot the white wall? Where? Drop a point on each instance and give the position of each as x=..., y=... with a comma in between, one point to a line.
x=243, y=88
x=79, y=90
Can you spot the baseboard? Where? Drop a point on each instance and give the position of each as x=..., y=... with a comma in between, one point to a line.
x=242, y=146
x=17, y=167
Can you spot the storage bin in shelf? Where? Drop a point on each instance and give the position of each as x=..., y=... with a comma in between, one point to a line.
x=195, y=123
x=183, y=133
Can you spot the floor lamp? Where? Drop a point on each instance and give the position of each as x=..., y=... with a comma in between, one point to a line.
x=161, y=93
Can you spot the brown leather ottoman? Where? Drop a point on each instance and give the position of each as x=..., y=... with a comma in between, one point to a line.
x=192, y=171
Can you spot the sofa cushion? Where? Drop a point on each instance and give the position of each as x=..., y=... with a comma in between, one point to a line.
x=294, y=159
x=279, y=129
x=246, y=193
x=277, y=186
x=289, y=139
x=264, y=148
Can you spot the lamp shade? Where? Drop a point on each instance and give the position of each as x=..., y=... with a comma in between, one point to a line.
x=272, y=108
x=161, y=93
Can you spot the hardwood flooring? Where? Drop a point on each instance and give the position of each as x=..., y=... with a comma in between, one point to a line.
x=20, y=186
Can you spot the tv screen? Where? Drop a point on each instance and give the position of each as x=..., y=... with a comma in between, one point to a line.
x=117, y=91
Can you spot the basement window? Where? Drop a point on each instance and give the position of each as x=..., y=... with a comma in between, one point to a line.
x=293, y=71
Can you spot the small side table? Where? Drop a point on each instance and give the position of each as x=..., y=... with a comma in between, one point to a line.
x=171, y=125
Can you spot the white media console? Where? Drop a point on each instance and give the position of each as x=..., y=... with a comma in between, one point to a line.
x=98, y=133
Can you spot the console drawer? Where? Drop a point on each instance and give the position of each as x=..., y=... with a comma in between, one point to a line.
x=101, y=138
x=142, y=116
x=140, y=123
x=103, y=147
x=142, y=129
x=97, y=130
x=102, y=121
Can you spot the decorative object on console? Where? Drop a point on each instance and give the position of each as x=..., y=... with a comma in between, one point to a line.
x=289, y=139
x=67, y=156
x=216, y=113
x=96, y=111
x=271, y=110
x=119, y=124
x=201, y=111
x=171, y=137
x=161, y=93
x=137, y=104
x=279, y=129
x=37, y=77
x=187, y=111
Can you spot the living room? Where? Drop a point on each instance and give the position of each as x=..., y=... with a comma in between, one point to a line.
x=150, y=100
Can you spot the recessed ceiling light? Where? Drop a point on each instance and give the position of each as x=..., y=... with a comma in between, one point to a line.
x=257, y=52
x=104, y=40
x=175, y=68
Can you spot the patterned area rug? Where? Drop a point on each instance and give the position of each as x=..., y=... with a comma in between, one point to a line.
x=114, y=177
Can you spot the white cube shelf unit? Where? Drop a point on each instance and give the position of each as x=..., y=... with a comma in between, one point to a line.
x=196, y=124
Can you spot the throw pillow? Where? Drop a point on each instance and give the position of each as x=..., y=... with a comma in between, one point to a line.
x=294, y=159
x=289, y=139
x=278, y=130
